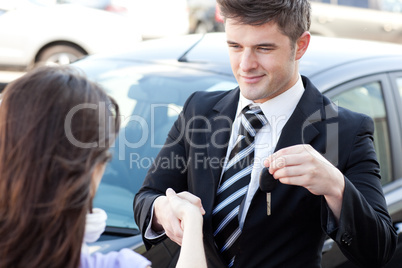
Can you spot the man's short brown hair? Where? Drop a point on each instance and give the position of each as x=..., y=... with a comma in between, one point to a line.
x=292, y=16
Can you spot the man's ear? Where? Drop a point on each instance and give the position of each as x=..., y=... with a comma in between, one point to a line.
x=302, y=45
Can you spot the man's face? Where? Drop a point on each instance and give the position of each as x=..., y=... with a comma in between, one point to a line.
x=262, y=60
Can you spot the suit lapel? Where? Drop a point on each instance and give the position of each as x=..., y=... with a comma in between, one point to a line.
x=221, y=122
x=300, y=127
x=221, y=127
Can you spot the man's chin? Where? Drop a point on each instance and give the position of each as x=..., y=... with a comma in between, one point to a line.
x=252, y=94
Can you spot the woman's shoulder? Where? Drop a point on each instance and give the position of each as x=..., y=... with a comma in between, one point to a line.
x=121, y=259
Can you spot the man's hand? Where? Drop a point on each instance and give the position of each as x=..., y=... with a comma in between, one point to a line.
x=183, y=209
x=302, y=165
x=165, y=217
x=192, y=250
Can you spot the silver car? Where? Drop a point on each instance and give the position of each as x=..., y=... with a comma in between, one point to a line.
x=379, y=20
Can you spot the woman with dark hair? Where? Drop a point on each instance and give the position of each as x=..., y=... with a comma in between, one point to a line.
x=56, y=128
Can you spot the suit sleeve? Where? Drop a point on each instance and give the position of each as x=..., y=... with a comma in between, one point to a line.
x=167, y=171
x=364, y=232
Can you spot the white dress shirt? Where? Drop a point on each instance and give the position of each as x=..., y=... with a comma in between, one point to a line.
x=277, y=111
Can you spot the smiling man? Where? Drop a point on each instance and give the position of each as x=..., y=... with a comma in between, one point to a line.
x=329, y=181
x=263, y=60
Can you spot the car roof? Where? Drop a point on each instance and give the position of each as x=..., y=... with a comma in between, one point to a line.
x=328, y=52
x=209, y=52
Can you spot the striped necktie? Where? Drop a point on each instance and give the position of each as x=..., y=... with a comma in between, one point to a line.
x=234, y=184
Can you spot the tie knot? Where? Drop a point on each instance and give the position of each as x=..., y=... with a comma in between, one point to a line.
x=252, y=120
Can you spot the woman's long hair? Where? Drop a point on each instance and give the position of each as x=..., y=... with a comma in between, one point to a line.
x=55, y=128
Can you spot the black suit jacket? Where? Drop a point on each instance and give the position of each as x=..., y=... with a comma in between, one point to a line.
x=293, y=235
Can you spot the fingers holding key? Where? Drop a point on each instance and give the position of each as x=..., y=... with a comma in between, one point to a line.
x=286, y=161
x=302, y=165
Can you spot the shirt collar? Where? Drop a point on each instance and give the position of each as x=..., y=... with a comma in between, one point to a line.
x=279, y=108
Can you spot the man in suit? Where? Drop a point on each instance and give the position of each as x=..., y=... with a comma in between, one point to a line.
x=321, y=155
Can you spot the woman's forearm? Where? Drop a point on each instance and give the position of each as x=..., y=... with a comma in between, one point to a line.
x=192, y=252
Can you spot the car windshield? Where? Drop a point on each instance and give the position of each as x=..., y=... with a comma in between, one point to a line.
x=150, y=98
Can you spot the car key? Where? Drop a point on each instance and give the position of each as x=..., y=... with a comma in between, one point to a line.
x=267, y=184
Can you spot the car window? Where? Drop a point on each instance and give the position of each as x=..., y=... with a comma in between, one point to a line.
x=368, y=99
x=354, y=3
x=322, y=1
x=391, y=5
x=150, y=99
x=399, y=84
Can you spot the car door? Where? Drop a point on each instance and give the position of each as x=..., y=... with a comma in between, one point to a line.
x=368, y=95
x=378, y=96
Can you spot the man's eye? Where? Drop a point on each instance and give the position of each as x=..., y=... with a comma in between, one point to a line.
x=234, y=46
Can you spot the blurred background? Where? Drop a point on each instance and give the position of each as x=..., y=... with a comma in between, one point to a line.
x=34, y=32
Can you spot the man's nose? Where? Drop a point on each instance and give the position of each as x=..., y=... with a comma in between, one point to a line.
x=248, y=61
